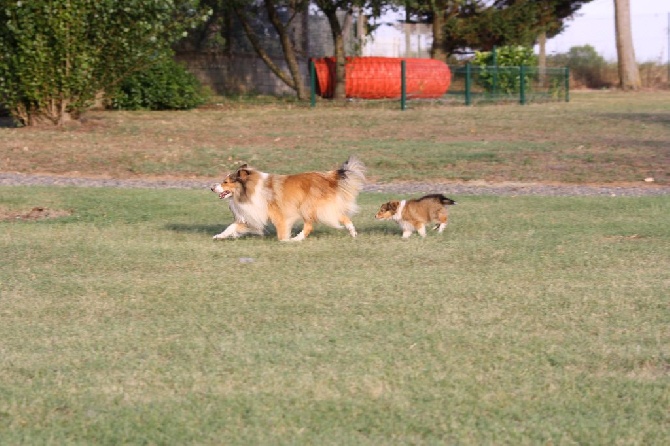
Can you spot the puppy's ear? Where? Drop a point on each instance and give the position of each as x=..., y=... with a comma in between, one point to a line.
x=393, y=205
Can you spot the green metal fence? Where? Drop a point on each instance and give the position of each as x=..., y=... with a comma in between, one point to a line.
x=473, y=84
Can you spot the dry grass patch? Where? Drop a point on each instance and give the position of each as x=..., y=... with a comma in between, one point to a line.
x=36, y=213
x=596, y=138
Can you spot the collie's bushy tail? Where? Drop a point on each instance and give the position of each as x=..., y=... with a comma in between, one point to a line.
x=352, y=175
x=350, y=181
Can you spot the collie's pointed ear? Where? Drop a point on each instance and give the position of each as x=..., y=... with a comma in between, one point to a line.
x=242, y=173
x=393, y=205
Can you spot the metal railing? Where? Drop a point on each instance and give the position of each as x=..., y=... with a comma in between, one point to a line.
x=471, y=85
x=476, y=84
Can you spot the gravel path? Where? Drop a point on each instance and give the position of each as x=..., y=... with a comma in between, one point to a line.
x=470, y=188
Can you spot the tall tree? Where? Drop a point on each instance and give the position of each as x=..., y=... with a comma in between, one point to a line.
x=441, y=10
x=331, y=9
x=460, y=26
x=272, y=9
x=629, y=73
x=436, y=13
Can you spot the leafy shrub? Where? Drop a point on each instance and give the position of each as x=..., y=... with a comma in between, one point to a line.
x=56, y=56
x=503, y=75
x=166, y=85
x=586, y=66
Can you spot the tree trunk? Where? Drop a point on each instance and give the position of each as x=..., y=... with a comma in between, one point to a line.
x=293, y=79
x=288, y=49
x=437, y=50
x=542, y=57
x=360, y=31
x=340, y=58
x=629, y=74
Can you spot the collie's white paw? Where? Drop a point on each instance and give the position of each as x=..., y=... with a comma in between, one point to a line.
x=225, y=235
x=352, y=230
x=298, y=238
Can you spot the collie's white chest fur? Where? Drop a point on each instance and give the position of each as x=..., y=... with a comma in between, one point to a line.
x=255, y=211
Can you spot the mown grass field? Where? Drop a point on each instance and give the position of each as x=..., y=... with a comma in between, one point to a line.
x=531, y=320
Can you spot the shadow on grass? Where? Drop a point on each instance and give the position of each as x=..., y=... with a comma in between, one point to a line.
x=271, y=233
x=380, y=230
x=211, y=229
x=645, y=118
x=195, y=229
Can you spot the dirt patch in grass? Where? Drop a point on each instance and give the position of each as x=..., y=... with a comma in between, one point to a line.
x=34, y=214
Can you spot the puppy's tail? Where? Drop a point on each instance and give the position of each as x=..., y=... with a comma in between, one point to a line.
x=446, y=201
x=351, y=176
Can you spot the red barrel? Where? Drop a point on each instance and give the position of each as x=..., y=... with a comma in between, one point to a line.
x=380, y=77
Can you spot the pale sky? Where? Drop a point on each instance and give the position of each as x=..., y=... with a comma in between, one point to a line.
x=594, y=25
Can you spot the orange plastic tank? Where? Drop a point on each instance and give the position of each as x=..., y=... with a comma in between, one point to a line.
x=380, y=77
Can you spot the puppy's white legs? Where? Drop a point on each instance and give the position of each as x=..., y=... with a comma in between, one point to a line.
x=406, y=233
x=421, y=230
x=443, y=219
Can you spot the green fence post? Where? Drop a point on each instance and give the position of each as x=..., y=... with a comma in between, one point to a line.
x=468, y=87
x=403, y=86
x=312, y=84
x=522, y=86
x=567, y=84
x=494, y=89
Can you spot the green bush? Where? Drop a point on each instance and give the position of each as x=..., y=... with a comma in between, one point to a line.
x=56, y=56
x=586, y=66
x=166, y=85
x=503, y=75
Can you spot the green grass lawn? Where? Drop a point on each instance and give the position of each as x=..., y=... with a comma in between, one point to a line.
x=531, y=320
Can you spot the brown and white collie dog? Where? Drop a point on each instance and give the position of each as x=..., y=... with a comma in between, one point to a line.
x=413, y=214
x=258, y=197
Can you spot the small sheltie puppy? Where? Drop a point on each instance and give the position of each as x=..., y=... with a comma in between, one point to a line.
x=257, y=198
x=413, y=214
